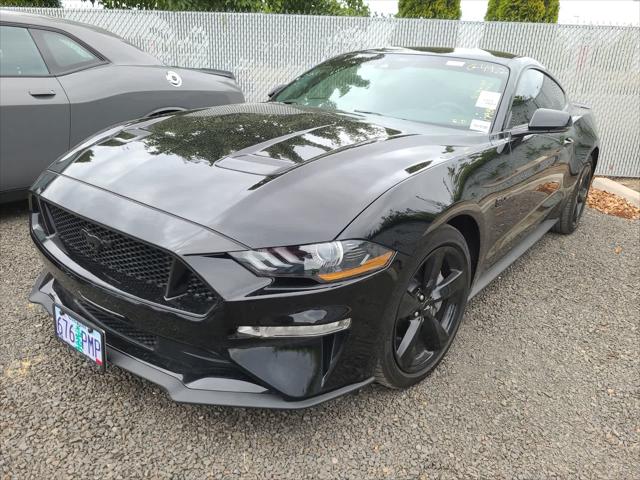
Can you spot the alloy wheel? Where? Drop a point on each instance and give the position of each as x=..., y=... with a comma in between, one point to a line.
x=430, y=310
x=583, y=192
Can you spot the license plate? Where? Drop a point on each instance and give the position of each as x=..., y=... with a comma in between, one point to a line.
x=85, y=339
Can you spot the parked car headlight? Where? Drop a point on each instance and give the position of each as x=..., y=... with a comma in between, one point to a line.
x=326, y=262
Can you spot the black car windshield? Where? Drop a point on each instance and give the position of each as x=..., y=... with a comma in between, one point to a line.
x=452, y=92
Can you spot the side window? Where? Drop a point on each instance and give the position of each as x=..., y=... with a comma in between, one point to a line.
x=524, y=100
x=19, y=56
x=551, y=95
x=535, y=90
x=62, y=53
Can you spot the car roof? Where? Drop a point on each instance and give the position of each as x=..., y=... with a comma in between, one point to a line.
x=112, y=47
x=478, y=54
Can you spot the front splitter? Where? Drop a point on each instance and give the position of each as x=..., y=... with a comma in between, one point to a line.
x=182, y=393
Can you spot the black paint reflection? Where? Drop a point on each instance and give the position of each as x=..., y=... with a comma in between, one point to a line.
x=277, y=131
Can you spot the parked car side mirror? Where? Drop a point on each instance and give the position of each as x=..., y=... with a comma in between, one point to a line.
x=546, y=120
x=275, y=90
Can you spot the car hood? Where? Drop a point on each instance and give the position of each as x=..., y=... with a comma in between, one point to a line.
x=263, y=174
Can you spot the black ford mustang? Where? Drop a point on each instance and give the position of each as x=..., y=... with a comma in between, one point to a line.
x=284, y=253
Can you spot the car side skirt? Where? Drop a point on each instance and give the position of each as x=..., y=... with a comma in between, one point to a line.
x=491, y=273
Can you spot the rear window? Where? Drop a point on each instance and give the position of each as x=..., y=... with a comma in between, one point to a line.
x=63, y=53
x=19, y=56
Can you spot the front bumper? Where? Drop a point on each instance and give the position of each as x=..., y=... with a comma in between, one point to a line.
x=203, y=390
x=202, y=359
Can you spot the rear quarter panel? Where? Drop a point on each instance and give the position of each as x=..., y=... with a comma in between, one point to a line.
x=111, y=94
x=586, y=135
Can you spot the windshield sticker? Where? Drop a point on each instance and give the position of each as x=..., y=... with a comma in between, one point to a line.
x=488, y=100
x=491, y=68
x=480, y=126
x=454, y=63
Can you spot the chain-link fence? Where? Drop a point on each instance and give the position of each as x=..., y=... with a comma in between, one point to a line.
x=598, y=65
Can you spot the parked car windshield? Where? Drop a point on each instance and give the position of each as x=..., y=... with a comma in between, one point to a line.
x=451, y=92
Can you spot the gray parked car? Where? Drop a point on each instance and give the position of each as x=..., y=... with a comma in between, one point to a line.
x=61, y=81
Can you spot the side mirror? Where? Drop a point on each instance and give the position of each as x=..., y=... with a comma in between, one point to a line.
x=547, y=120
x=275, y=90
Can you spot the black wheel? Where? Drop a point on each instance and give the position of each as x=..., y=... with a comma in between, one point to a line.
x=428, y=312
x=575, y=205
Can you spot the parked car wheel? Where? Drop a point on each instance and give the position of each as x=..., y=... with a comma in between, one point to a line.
x=574, y=207
x=429, y=310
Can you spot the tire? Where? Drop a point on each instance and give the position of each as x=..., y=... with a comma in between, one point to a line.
x=413, y=344
x=576, y=204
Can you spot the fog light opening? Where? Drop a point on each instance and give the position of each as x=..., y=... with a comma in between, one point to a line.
x=296, y=330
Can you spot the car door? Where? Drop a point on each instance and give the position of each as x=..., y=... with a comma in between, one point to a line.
x=102, y=94
x=84, y=74
x=34, y=111
x=530, y=181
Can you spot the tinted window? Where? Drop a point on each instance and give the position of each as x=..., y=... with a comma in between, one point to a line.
x=524, y=104
x=551, y=95
x=63, y=53
x=18, y=54
x=446, y=91
x=535, y=90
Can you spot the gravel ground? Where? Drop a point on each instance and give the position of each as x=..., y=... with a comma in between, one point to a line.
x=542, y=382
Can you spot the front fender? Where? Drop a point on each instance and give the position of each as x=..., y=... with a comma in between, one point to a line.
x=403, y=216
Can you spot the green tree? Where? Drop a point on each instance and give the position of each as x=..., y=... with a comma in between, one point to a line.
x=445, y=9
x=355, y=8
x=314, y=7
x=523, y=11
x=30, y=3
x=200, y=5
x=552, y=9
x=492, y=11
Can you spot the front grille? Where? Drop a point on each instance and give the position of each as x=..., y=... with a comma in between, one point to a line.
x=129, y=264
x=118, y=325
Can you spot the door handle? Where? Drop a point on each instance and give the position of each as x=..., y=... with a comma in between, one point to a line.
x=568, y=141
x=42, y=93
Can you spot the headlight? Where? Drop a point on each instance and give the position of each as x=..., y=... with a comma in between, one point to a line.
x=326, y=262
